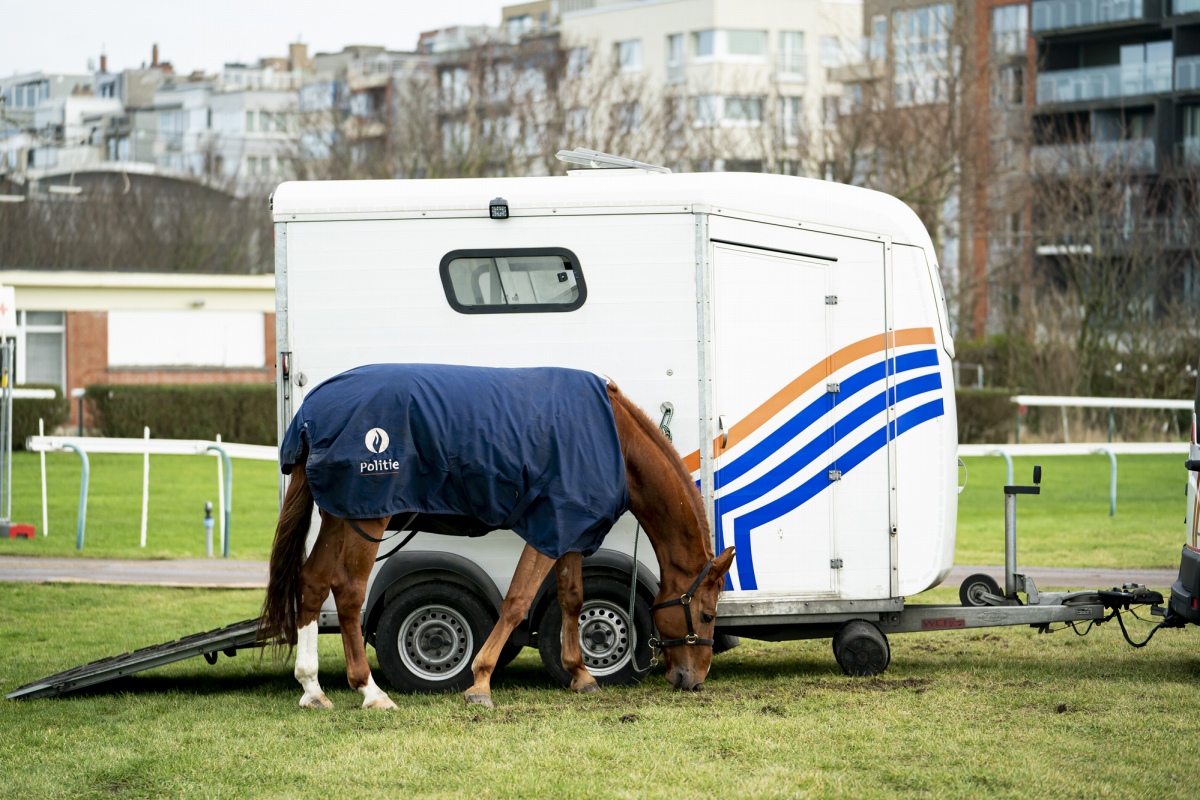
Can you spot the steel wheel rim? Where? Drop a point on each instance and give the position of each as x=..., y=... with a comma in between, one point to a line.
x=435, y=642
x=605, y=637
x=976, y=591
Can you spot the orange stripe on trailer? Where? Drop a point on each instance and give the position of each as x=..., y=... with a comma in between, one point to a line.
x=810, y=378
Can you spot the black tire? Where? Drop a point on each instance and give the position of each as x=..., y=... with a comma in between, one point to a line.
x=507, y=654
x=861, y=649
x=607, y=654
x=971, y=591
x=443, y=627
x=723, y=642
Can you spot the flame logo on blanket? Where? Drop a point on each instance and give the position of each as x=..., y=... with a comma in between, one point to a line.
x=377, y=440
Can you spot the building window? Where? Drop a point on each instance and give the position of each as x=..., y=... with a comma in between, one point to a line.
x=1010, y=29
x=922, y=53
x=703, y=44
x=749, y=44
x=250, y=127
x=709, y=110
x=791, y=54
x=628, y=117
x=833, y=52
x=790, y=120
x=577, y=62
x=743, y=165
x=675, y=58
x=1008, y=86
x=509, y=281
x=878, y=45
x=40, y=350
x=629, y=55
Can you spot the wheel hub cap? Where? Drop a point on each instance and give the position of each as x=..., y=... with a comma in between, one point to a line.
x=605, y=637
x=434, y=642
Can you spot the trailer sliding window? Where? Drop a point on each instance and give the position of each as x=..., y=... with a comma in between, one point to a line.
x=504, y=281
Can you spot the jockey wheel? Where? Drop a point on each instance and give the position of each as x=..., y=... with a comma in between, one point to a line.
x=428, y=636
x=607, y=642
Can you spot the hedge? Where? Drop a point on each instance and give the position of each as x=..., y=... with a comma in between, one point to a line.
x=26, y=414
x=242, y=413
x=985, y=416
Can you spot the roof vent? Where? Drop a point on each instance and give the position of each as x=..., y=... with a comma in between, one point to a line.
x=598, y=160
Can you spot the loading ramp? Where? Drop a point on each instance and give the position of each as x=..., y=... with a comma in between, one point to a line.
x=227, y=640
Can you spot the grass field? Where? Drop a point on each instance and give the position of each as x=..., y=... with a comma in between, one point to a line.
x=1004, y=713
x=1068, y=525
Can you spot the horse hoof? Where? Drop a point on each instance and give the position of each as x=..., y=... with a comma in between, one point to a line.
x=319, y=701
x=380, y=702
x=589, y=688
x=479, y=699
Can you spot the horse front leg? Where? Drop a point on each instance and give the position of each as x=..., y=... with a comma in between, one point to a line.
x=569, y=572
x=349, y=592
x=315, y=578
x=531, y=571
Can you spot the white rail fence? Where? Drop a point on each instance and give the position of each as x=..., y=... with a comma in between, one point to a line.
x=1065, y=402
x=83, y=445
x=1112, y=450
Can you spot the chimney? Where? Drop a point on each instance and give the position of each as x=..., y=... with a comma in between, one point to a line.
x=154, y=56
x=103, y=63
x=297, y=56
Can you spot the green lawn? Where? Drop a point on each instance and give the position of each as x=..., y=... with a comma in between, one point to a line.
x=1003, y=713
x=179, y=487
x=1068, y=525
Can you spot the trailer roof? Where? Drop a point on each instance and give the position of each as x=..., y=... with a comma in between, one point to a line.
x=802, y=199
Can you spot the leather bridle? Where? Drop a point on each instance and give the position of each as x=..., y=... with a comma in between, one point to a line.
x=657, y=645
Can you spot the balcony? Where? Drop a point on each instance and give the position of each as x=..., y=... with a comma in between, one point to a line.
x=1133, y=155
x=789, y=67
x=1185, y=7
x=675, y=72
x=1102, y=83
x=1052, y=15
x=1187, y=73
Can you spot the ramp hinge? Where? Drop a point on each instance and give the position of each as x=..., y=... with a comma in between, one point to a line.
x=835, y=474
x=835, y=563
x=831, y=299
x=833, y=388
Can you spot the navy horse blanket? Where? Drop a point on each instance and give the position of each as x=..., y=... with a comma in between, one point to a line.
x=530, y=450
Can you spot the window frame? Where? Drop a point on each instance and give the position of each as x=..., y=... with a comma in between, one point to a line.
x=509, y=252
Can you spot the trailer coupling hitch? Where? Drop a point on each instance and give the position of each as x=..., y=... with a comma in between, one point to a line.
x=1135, y=594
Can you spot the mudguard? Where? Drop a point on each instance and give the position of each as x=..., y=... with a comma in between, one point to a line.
x=412, y=567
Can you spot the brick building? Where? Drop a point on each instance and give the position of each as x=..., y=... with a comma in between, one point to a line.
x=76, y=328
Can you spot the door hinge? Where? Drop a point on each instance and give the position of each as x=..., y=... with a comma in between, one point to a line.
x=895, y=530
x=833, y=388
x=831, y=299
x=835, y=474
x=835, y=563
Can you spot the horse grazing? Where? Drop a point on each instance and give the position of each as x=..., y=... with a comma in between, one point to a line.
x=534, y=447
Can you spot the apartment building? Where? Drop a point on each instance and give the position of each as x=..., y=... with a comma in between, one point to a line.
x=747, y=79
x=1118, y=93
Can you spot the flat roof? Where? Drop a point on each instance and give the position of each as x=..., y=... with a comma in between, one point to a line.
x=806, y=200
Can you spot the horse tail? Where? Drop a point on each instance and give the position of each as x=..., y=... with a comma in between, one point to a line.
x=277, y=625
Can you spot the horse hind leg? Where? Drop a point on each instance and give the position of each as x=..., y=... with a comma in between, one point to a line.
x=569, y=573
x=531, y=569
x=349, y=592
x=315, y=579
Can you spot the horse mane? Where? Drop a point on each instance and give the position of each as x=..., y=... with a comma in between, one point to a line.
x=654, y=434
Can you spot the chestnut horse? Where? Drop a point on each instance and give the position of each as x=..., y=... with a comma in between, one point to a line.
x=663, y=498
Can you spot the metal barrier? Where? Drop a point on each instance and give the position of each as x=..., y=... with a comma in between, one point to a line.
x=225, y=451
x=1065, y=402
x=1007, y=451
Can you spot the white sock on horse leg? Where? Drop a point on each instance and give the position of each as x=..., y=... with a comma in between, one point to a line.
x=371, y=692
x=306, y=662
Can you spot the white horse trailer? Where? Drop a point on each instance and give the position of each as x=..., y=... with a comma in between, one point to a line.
x=796, y=328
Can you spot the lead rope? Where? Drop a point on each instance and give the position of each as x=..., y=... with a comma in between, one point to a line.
x=664, y=425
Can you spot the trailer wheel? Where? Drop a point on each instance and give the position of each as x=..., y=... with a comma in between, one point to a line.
x=606, y=640
x=428, y=636
x=861, y=649
x=975, y=586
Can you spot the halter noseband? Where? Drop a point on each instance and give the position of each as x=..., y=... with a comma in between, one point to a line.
x=685, y=600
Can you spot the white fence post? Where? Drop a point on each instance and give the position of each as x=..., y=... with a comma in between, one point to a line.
x=220, y=498
x=145, y=483
x=42, y=457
